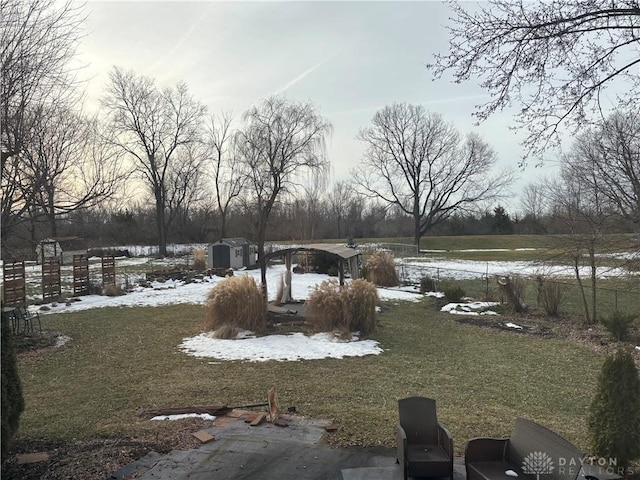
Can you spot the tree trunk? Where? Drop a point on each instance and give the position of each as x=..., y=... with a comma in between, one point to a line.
x=592, y=261
x=576, y=266
x=262, y=230
x=51, y=214
x=223, y=224
x=160, y=225
x=417, y=231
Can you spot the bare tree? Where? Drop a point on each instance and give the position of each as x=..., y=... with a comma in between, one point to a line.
x=229, y=174
x=608, y=158
x=553, y=59
x=64, y=167
x=340, y=198
x=185, y=184
x=281, y=141
x=533, y=200
x=152, y=125
x=422, y=165
x=38, y=40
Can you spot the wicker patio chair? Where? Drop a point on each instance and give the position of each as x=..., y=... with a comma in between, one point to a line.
x=425, y=447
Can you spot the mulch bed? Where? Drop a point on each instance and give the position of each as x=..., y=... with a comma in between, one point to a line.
x=96, y=458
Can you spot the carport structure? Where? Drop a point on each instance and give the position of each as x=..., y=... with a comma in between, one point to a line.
x=344, y=255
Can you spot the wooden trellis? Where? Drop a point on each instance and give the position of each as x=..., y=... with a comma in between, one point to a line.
x=108, y=270
x=14, y=290
x=51, y=286
x=80, y=275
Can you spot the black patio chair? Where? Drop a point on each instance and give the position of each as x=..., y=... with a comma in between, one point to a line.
x=425, y=447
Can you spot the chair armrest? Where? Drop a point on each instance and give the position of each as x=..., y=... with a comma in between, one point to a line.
x=485, y=449
x=401, y=443
x=445, y=440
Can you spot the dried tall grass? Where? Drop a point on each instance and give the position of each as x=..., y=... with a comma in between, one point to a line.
x=200, y=260
x=324, y=310
x=345, y=309
x=235, y=303
x=381, y=269
x=550, y=296
x=359, y=300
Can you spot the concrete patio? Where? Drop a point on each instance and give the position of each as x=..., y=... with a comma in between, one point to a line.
x=269, y=452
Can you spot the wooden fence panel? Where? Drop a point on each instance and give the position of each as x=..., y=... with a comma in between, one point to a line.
x=14, y=290
x=51, y=285
x=80, y=275
x=108, y=270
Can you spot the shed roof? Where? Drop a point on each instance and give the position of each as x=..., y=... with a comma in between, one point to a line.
x=234, y=242
x=67, y=243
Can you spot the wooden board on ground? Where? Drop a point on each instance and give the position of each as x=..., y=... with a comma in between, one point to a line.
x=258, y=420
x=210, y=409
x=203, y=436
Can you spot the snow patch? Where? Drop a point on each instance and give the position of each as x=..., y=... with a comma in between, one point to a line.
x=204, y=416
x=296, y=346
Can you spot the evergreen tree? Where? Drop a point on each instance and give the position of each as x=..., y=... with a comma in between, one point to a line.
x=614, y=416
x=12, y=400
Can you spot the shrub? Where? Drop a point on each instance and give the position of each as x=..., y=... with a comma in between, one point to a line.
x=381, y=269
x=349, y=308
x=513, y=288
x=200, y=260
x=364, y=271
x=453, y=293
x=550, y=296
x=618, y=324
x=236, y=302
x=322, y=262
x=427, y=284
x=12, y=401
x=112, y=290
x=614, y=414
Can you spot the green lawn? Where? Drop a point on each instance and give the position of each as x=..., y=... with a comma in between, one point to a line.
x=122, y=360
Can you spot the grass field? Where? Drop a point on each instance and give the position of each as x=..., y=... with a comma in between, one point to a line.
x=120, y=361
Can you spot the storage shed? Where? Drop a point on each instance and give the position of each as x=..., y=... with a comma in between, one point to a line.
x=231, y=253
x=63, y=248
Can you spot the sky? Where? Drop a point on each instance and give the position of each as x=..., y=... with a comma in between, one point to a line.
x=349, y=58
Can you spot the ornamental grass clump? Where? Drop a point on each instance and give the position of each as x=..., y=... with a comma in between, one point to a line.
x=233, y=304
x=324, y=310
x=200, y=260
x=359, y=300
x=381, y=269
x=347, y=308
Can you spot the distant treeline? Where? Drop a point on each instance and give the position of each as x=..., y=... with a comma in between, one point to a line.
x=298, y=221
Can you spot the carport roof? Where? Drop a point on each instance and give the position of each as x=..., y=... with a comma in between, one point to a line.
x=340, y=250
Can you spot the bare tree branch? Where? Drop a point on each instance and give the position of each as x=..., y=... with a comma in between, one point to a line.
x=553, y=59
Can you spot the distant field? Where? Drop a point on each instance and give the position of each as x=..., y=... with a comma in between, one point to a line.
x=621, y=242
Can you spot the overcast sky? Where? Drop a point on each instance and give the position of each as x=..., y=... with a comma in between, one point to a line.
x=348, y=58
